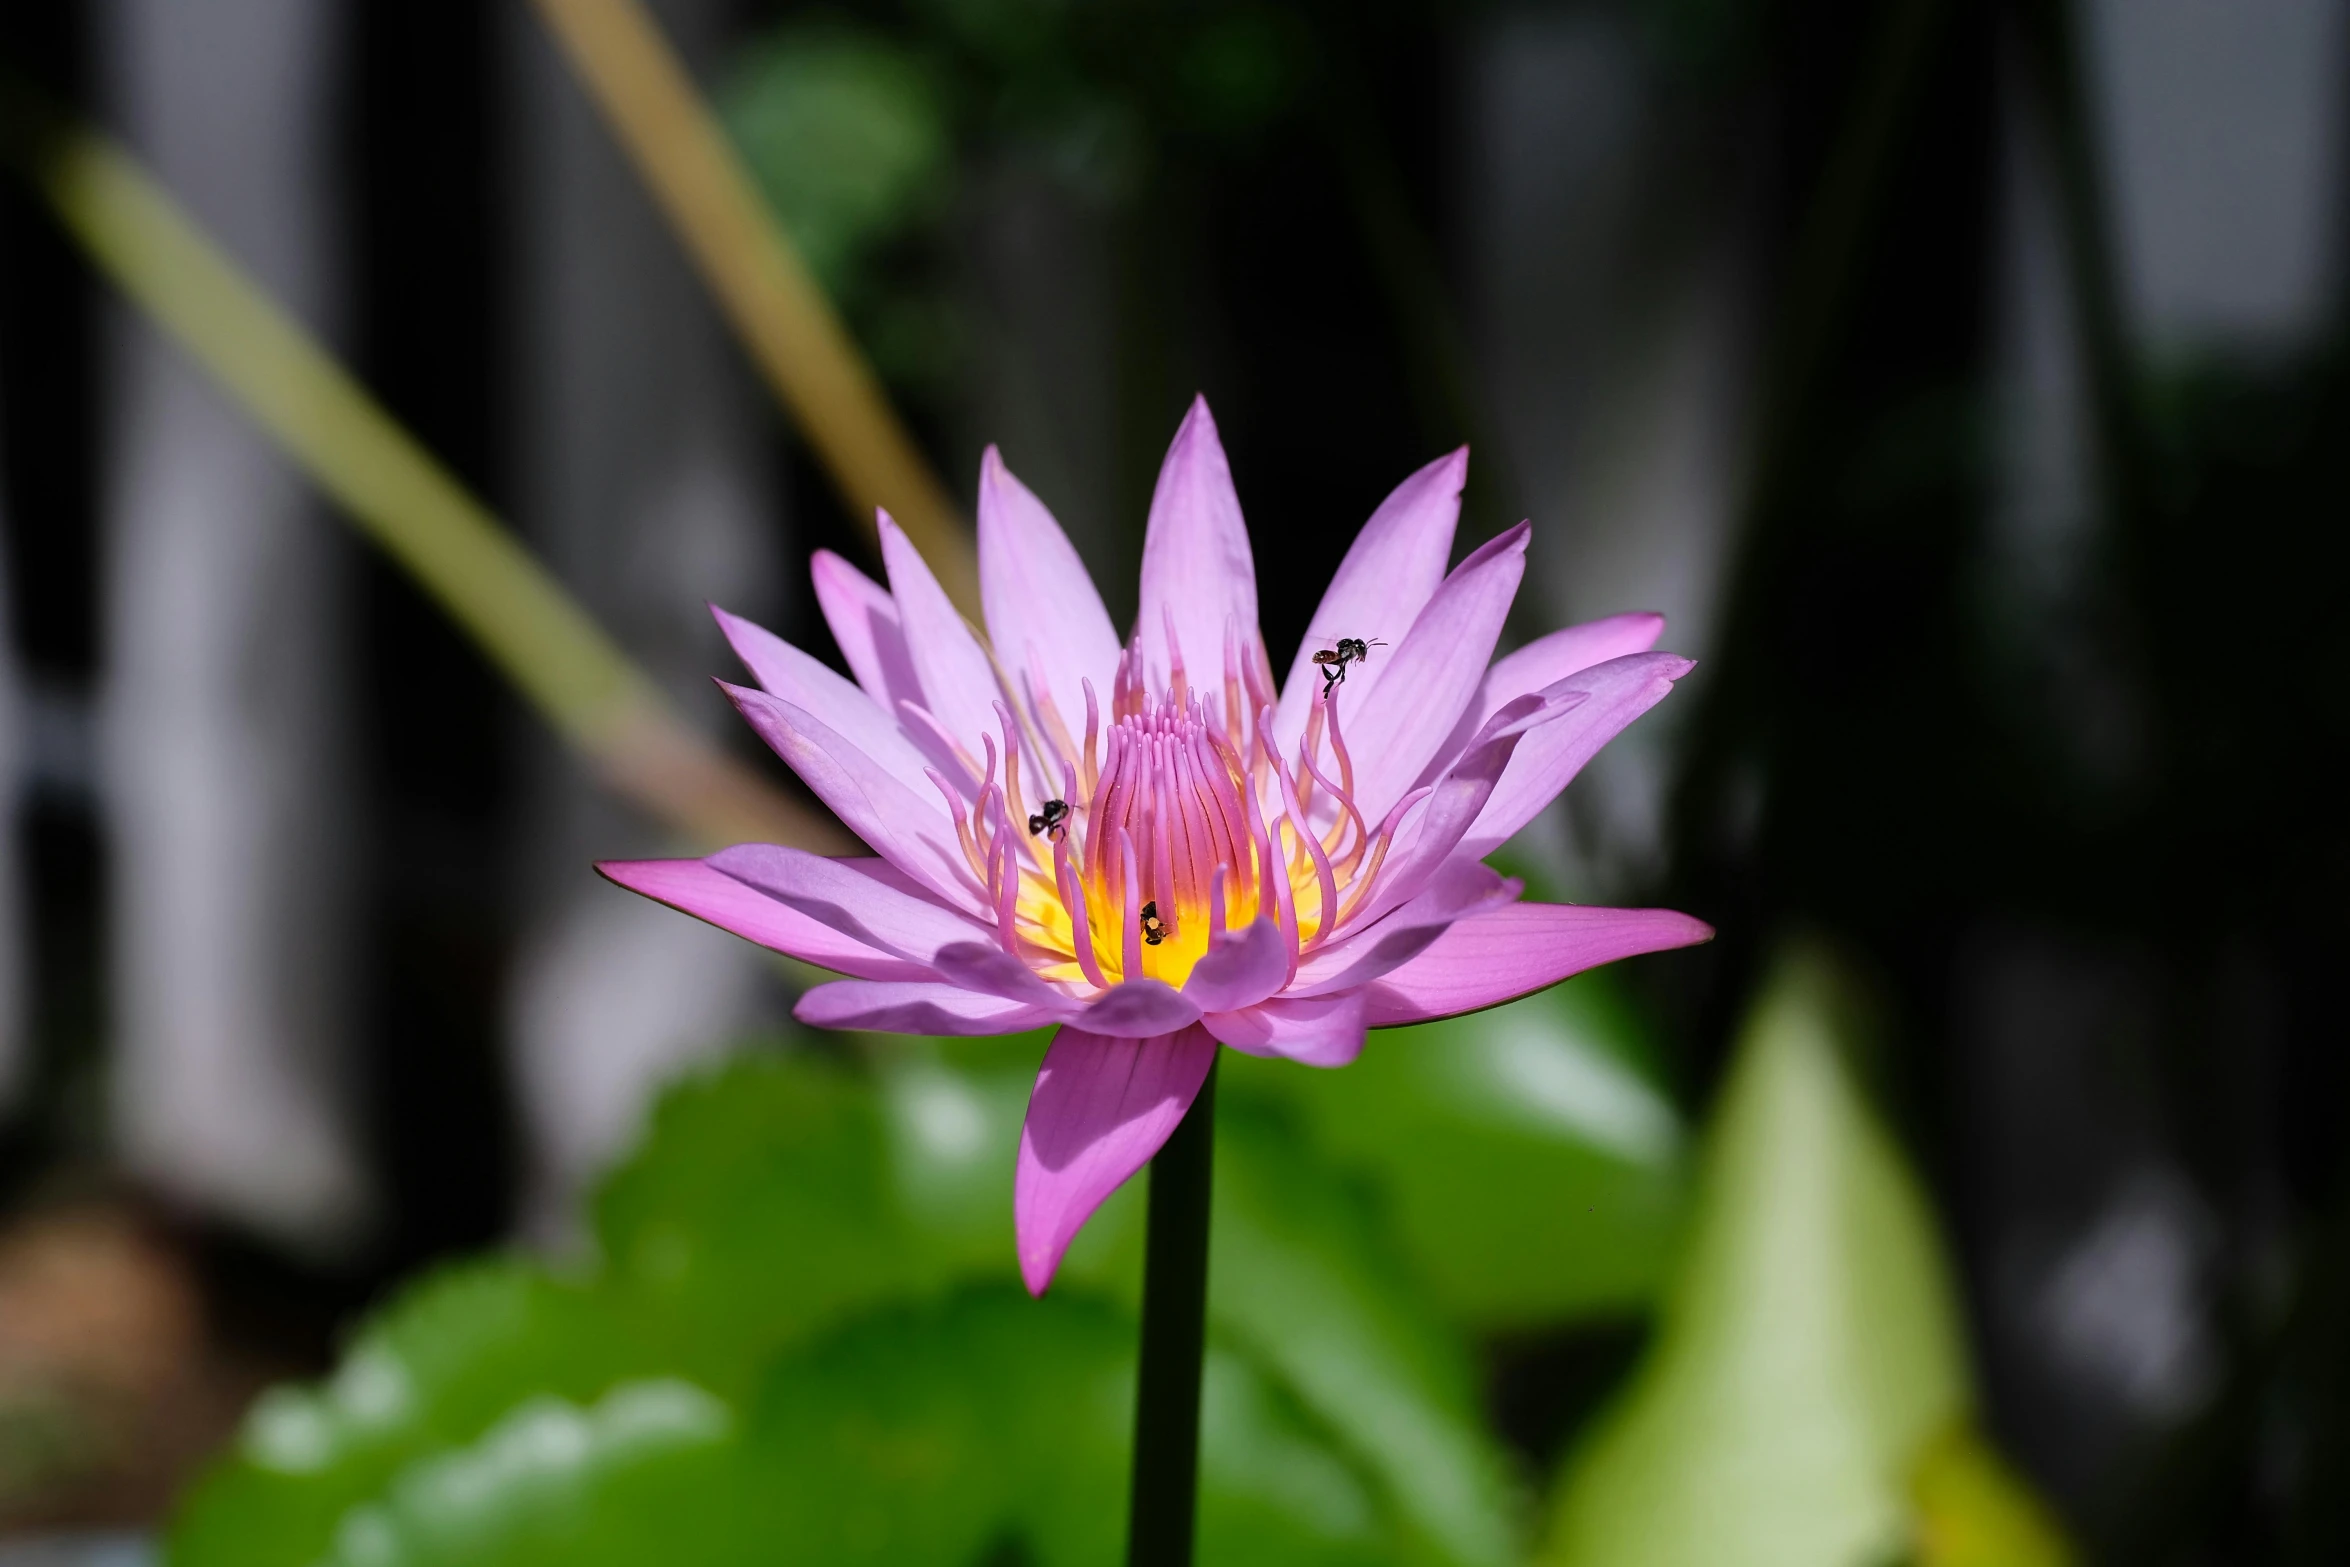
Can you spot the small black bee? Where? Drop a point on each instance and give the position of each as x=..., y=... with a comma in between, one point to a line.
x=1054, y=818
x=1154, y=929
x=1350, y=650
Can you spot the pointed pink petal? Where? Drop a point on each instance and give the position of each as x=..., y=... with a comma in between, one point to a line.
x=1241, y=968
x=912, y=833
x=1135, y=1009
x=1619, y=691
x=1447, y=815
x=1102, y=1106
x=846, y=896
x=1138, y=1009
x=1549, y=659
x=1197, y=572
x=1433, y=676
x=1316, y=1031
x=914, y=1008
x=1543, y=662
x=802, y=680
x=1043, y=614
x=1491, y=958
x=1460, y=887
x=694, y=887
x=1387, y=578
x=864, y=621
x=958, y=685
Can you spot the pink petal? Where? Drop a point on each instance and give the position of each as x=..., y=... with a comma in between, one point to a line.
x=1491, y=958
x=1543, y=662
x=1102, y=1107
x=1315, y=1031
x=1197, y=572
x=1138, y=1009
x=958, y=685
x=1433, y=676
x=1391, y=571
x=1618, y=691
x=695, y=887
x=1460, y=887
x=1241, y=968
x=912, y=833
x=846, y=896
x=1455, y=806
x=914, y=1008
x=786, y=672
x=1043, y=614
x=864, y=621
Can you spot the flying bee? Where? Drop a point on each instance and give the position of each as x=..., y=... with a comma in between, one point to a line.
x=1154, y=929
x=1054, y=819
x=1350, y=650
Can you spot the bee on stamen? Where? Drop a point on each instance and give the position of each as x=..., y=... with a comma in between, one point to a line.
x=1154, y=929
x=1350, y=650
x=1054, y=819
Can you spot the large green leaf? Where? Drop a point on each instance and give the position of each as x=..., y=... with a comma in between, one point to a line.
x=649, y=1473
x=782, y=1200
x=977, y=1427
x=1301, y=1274
x=432, y=1371
x=943, y=1433
x=1531, y=1168
x=1809, y=1348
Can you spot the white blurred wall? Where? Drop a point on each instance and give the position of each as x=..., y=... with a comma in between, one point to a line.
x=646, y=479
x=225, y=662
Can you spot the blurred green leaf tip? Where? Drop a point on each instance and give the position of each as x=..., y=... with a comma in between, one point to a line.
x=1807, y=1399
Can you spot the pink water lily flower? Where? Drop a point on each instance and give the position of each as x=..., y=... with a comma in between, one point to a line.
x=1149, y=844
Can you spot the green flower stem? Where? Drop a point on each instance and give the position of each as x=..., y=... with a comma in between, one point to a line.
x=1174, y=1337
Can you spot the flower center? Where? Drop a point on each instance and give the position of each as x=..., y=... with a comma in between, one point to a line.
x=1179, y=823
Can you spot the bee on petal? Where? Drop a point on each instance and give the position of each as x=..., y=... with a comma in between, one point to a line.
x=1350, y=650
x=1054, y=819
x=1154, y=929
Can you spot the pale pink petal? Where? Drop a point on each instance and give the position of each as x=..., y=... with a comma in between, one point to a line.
x=802, y=680
x=1315, y=1031
x=1434, y=829
x=864, y=621
x=1101, y=1108
x=1043, y=614
x=1387, y=578
x=1618, y=691
x=1241, y=968
x=958, y=685
x=1546, y=661
x=1139, y=1008
x=847, y=896
x=1197, y=572
x=1490, y=958
x=912, y=833
x=1433, y=675
x=914, y=1008
x=695, y=887
x=1134, y=1009
x=1460, y=887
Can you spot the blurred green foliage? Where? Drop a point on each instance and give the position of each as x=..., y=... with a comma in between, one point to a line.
x=802, y=1338
x=1809, y=1365
x=801, y=1323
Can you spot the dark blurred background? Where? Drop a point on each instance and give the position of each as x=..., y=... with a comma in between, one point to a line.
x=1967, y=383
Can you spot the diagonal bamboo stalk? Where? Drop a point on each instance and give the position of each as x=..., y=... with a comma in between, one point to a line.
x=763, y=285
x=397, y=492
